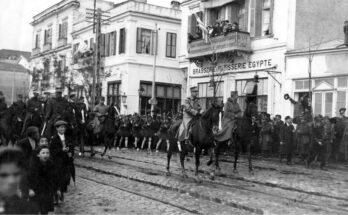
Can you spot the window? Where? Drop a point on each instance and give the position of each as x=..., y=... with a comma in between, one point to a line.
x=91, y=43
x=342, y=82
x=245, y=87
x=145, y=41
x=63, y=30
x=171, y=45
x=301, y=85
x=113, y=94
x=206, y=94
x=37, y=40
x=122, y=45
x=261, y=14
x=168, y=98
x=341, y=101
x=266, y=16
x=242, y=17
x=48, y=36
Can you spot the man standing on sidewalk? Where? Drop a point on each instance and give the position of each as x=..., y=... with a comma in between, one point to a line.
x=287, y=140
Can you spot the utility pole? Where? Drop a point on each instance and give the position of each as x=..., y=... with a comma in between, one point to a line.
x=98, y=18
x=153, y=98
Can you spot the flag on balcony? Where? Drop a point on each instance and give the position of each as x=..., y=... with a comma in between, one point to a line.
x=202, y=27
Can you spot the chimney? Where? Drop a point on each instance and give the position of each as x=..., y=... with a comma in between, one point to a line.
x=345, y=30
x=175, y=5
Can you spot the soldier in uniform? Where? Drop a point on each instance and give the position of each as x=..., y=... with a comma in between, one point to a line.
x=228, y=124
x=191, y=109
x=19, y=111
x=57, y=108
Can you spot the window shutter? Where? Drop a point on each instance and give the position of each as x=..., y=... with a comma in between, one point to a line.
x=60, y=31
x=193, y=25
x=102, y=45
x=258, y=20
x=115, y=43
x=271, y=18
x=246, y=15
x=252, y=17
x=122, y=43
x=189, y=25
x=174, y=45
x=139, y=42
x=91, y=43
x=107, y=45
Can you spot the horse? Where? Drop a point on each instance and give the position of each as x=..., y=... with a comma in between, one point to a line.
x=202, y=138
x=244, y=136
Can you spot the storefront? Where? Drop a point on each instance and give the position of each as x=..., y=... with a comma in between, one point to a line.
x=329, y=79
x=239, y=75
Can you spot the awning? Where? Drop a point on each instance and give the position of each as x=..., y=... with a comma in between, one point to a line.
x=215, y=3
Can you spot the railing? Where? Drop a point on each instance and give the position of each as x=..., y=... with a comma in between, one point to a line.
x=47, y=47
x=234, y=41
x=62, y=42
x=35, y=51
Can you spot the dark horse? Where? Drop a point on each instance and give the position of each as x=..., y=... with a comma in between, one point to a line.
x=202, y=138
x=244, y=137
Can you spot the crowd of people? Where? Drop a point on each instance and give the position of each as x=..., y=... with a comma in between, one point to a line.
x=45, y=132
x=223, y=27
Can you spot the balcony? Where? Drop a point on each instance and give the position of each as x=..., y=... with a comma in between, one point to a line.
x=47, y=47
x=35, y=51
x=62, y=42
x=234, y=41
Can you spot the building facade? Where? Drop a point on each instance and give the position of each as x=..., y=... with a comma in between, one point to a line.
x=51, y=57
x=248, y=39
x=329, y=77
x=127, y=49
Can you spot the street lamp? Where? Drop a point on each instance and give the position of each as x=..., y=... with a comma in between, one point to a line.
x=124, y=98
x=141, y=91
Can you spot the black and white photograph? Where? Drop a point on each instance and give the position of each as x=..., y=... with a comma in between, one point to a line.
x=146, y=107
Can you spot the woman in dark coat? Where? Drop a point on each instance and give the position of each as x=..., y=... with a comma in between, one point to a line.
x=43, y=179
x=61, y=150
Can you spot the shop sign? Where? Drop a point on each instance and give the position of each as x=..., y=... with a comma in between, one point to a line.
x=230, y=67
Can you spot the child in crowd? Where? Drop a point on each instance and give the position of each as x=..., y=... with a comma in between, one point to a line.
x=42, y=180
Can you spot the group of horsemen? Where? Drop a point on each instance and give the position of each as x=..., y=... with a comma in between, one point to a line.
x=314, y=136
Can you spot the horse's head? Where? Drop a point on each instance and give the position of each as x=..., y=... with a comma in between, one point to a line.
x=212, y=114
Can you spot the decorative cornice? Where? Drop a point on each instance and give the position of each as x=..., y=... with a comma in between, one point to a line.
x=54, y=10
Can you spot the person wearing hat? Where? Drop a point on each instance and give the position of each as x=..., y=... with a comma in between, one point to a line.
x=191, y=109
x=287, y=140
x=61, y=150
x=81, y=117
x=101, y=107
x=29, y=144
x=231, y=112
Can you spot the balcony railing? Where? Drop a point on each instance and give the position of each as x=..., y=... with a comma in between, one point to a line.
x=62, y=42
x=47, y=47
x=35, y=51
x=234, y=41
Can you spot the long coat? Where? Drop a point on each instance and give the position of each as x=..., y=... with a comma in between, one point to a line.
x=266, y=136
x=63, y=161
x=228, y=124
x=191, y=108
x=43, y=181
x=287, y=137
x=303, y=132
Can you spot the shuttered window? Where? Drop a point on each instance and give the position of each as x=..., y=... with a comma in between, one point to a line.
x=37, y=40
x=63, y=30
x=107, y=47
x=171, y=45
x=122, y=45
x=48, y=36
x=102, y=45
x=91, y=43
x=261, y=14
x=112, y=43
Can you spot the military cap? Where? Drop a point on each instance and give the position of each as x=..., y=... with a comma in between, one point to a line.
x=342, y=110
x=194, y=89
x=32, y=129
x=72, y=96
x=20, y=96
x=60, y=122
x=288, y=117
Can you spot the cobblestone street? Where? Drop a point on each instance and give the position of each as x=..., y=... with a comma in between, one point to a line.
x=134, y=182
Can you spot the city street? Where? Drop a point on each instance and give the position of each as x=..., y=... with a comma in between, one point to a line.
x=134, y=182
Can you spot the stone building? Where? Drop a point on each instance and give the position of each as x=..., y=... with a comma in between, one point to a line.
x=267, y=30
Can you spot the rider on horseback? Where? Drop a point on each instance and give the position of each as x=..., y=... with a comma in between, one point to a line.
x=192, y=109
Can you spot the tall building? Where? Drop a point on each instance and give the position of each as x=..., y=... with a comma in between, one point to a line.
x=250, y=38
x=51, y=57
x=127, y=50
